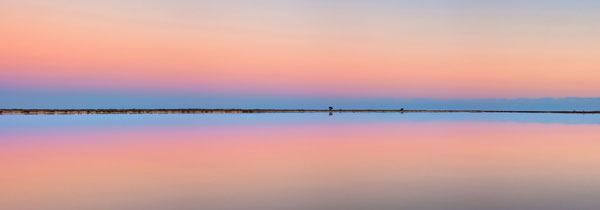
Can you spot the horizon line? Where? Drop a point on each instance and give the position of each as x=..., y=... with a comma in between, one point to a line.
x=256, y=111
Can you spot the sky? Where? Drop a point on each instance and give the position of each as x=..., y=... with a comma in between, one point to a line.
x=300, y=54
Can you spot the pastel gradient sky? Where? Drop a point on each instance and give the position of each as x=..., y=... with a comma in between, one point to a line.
x=126, y=53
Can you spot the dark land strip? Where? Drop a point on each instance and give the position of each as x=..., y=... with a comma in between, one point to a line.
x=249, y=111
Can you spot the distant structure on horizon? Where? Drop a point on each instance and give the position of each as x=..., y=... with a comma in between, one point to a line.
x=330, y=108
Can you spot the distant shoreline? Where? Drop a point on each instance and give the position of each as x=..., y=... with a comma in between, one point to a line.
x=250, y=111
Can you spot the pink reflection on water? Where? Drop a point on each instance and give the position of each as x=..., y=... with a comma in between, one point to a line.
x=439, y=165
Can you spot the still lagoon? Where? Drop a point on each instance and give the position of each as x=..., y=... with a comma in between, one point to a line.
x=300, y=161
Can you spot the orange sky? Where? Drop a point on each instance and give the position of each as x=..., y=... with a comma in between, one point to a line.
x=383, y=49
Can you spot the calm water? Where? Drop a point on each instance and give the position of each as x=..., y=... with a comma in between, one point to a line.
x=300, y=161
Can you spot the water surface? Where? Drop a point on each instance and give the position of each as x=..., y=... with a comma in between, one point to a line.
x=300, y=161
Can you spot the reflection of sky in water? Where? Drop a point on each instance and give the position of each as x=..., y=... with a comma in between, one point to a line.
x=300, y=161
x=35, y=122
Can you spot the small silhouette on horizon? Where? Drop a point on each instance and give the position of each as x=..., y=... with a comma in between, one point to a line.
x=330, y=108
